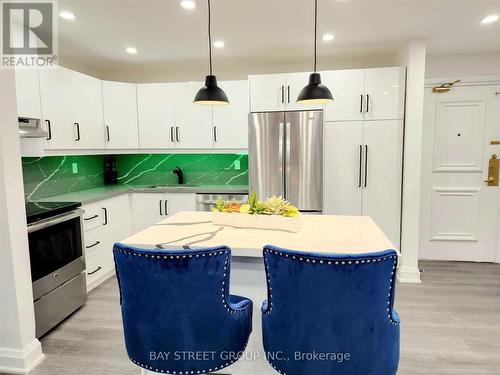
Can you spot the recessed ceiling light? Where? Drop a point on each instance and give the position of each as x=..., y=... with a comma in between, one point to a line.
x=67, y=15
x=219, y=44
x=490, y=19
x=131, y=50
x=328, y=37
x=188, y=4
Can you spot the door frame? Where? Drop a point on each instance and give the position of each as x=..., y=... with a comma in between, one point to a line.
x=469, y=81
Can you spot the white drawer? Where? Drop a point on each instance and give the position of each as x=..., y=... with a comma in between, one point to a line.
x=99, y=265
x=93, y=241
x=93, y=216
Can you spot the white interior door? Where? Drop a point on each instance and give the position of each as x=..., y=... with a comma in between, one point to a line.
x=382, y=156
x=155, y=106
x=343, y=145
x=231, y=121
x=460, y=213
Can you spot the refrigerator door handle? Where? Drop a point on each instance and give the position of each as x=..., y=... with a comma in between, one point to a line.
x=282, y=161
x=287, y=159
x=366, y=165
x=360, y=165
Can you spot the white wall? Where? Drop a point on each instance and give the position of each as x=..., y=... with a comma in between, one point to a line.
x=19, y=349
x=440, y=66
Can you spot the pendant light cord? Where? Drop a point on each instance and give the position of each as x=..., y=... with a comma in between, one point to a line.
x=315, y=33
x=210, y=36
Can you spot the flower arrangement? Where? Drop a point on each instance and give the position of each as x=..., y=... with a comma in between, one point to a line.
x=270, y=206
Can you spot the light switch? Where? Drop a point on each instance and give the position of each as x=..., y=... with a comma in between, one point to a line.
x=237, y=165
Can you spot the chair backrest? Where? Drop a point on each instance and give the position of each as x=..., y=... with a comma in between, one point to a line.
x=173, y=301
x=339, y=305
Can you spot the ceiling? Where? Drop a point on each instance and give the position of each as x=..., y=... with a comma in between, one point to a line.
x=260, y=33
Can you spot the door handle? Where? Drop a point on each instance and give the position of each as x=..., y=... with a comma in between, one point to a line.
x=49, y=128
x=93, y=245
x=281, y=135
x=282, y=94
x=161, y=212
x=287, y=158
x=177, y=134
x=360, y=165
x=215, y=134
x=172, y=134
x=361, y=104
x=90, y=218
x=367, y=103
x=77, y=132
x=96, y=270
x=288, y=93
x=166, y=207
x=107, y=133
x=493, y=170
x=366, y=165
x=105, y=216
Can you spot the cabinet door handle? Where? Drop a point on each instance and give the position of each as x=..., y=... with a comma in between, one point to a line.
x=77, y=132
x=90, y=218
x=360, y=165
x=105, y=216
x=93, y=245
x=49, y=128
x=161, y=212
x=172, y=134
x=96, y=270
x=107, y=133
x=282, y=94
x=216, y=138
x=177, y=134
x=288, y=93
x=361, y=104
x=366, y=165
x=367, y=103
x=166, y=207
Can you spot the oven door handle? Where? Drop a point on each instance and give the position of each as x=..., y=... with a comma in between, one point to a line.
x=42, y=224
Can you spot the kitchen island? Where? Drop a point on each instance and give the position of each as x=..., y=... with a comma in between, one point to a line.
x=319, y=233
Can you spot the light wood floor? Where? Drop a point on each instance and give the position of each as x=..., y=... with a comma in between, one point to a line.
x=450, y=325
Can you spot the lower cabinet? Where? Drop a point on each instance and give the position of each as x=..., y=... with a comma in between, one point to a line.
x=151, y=208
x=108, y=222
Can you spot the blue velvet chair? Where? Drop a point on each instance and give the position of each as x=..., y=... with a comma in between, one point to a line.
x=330, y=314
x=177, y=302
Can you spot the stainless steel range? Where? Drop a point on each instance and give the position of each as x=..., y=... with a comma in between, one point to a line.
x=57, y=261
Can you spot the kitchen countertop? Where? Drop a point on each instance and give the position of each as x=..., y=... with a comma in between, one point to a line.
x=319, y=233
x=100, y=193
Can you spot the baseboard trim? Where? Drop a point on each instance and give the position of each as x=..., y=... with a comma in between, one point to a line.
x=410, y=275
x=14, y=361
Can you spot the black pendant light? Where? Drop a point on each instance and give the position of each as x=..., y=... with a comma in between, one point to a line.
x=315, y=92
x=210, y=94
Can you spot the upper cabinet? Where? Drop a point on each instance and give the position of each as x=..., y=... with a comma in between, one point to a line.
x=277, y=92
x=55, y=93
x=86, y=104
x=230, y=122
x=28, y=93
x=370, y=94
x=155, y=108
x=120, y=115
x=193, y=122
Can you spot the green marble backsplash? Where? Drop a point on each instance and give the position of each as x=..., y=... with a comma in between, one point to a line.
x=54, y=175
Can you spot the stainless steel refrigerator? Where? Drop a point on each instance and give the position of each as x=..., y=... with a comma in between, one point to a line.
x=285, y=154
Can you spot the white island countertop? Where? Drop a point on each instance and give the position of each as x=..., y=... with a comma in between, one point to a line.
x=319, y=233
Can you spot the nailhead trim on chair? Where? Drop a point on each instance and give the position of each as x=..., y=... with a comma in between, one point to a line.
x=337, y=263
x=224, y=302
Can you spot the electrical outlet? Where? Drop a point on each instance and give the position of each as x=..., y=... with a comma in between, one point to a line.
x=74, y=166
x=237, y=165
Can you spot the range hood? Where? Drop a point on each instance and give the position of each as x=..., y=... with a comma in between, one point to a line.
x=31, y=128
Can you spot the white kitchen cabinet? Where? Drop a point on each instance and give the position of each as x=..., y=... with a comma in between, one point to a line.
x=384, y=89
x=193, y=122
x=348, y=88
x=362, y=171
x=230, y=122
x=120, y=115
x=150, y=208
x=86, y=99
x=55, y=93
x=267, y=92
x=108, y=222
x=28, y=93
x=155, y=105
